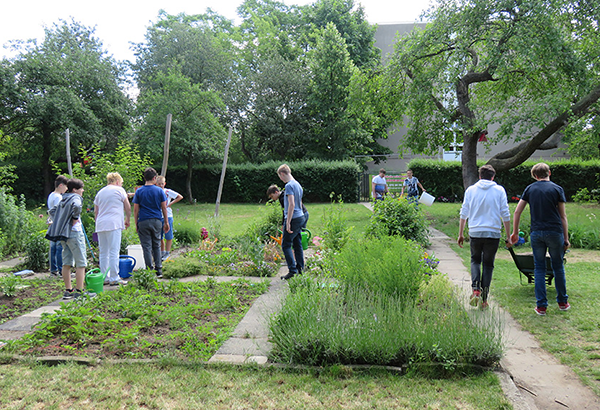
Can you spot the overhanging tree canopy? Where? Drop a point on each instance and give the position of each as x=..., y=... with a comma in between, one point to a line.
x=529, y=66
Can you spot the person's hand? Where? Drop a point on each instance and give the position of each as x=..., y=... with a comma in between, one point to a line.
x=460, y=240
x=127, y=223
x=288, y=227
x=508, y=242
x=514, y=238
x=567, y=245
x=166, y=226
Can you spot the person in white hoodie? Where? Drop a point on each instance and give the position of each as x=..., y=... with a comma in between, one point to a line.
x=486, y=208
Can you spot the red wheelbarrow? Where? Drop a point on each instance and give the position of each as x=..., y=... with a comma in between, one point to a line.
x=526, y=266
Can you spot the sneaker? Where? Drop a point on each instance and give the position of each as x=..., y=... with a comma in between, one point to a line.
x=56, y=273
x=564, y=306
x=484, y=305
x=118, y=282
x=165, y=255
x=290, y=275
x=475, y=298
x=78, y=294
x=106, y=282
x=159, y=274
x=540, y=310
x=69, y=294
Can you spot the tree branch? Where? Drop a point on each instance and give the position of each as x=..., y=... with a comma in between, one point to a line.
x=504, y=161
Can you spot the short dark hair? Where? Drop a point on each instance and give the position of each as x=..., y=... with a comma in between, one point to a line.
x=272, y=189
x=74, y=183
x=60, y=180
x=149, y=174
x=540, y=170
x=487, y=172
x=382, y=171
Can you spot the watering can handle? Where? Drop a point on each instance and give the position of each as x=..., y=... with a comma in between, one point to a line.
x=309, y=232
x=129, y=257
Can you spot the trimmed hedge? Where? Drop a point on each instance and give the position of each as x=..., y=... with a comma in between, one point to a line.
x=248, y=183
x=444, y=178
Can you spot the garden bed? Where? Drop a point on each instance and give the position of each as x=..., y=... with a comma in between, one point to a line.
x=144, y=319
x=30, y=294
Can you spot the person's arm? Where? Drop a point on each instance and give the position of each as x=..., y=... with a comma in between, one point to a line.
x=136, y=213
x=373, y=184
x=163, y=207
x=290, y=213
x=95, y=211
x=565, y=224
x=177, y=199
x=127, y=209
x=514, y=238
x=421, y=186
x=461, y=230
x=507, y=229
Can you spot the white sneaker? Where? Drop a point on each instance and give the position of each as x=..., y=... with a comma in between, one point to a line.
x=118, y=282
x=165, y=255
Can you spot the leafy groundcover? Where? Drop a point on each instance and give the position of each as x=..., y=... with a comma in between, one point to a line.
x=144, y=319
x=27, y=295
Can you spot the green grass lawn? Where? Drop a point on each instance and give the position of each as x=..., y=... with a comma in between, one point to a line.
x=573, y=336
x=234, y=219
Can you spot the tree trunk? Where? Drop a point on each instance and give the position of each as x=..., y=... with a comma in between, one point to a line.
x=188, y=179
x=469, y=160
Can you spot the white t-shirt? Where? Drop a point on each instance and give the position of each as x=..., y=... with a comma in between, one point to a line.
x=53, y=200
x=171, y=195
x=109, y=201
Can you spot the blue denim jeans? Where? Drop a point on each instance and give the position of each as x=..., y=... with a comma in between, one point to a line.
x=554, y=243
x=295, y=259
x=55, y=256
x=483, y=252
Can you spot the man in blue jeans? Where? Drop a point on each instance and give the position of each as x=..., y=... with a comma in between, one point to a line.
x=549, y=232
x=293, y=220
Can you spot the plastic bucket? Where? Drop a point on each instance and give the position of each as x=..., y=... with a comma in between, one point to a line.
x=137, y=252
x=306, y=235
x=426, y=199
x=94, y=280
x=126, y=265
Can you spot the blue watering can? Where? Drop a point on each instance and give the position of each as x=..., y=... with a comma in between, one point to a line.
x=126, y=265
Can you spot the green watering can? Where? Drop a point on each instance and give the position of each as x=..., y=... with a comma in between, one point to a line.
x=94, y=280
x=306, y=235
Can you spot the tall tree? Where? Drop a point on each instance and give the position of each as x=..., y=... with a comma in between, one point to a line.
x=530, y=66
x=196, y=134
x=67, y=81
x=336, y=133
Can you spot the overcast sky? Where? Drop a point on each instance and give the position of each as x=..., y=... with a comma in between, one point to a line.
x=119, y=23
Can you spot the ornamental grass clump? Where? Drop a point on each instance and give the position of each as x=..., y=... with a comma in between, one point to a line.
x=391, y=265
x=319, y=325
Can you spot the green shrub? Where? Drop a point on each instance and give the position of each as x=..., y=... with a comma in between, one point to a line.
x=270, y=222
x=14, y=223
x=584, y=237
x=175, y=268
x=391, y=265
x=398, y=217
x=36, y=249
x=337, y=232
x=187, y=235
x=8, y=285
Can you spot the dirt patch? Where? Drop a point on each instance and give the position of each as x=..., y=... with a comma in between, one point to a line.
x=31, y=295
x=572, y=256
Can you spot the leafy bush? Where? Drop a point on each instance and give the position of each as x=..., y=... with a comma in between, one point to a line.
x=585, y=237
x=248, y=182
x=187, y=235
x=397, y=216
x=36, y=249
x=337, y=232
x=391, y=265
x=8, y=285
x=175, y=268
x=14, y=223
x=269, y=223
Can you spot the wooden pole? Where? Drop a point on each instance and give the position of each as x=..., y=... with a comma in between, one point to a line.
x=163, y=171
x=68, y=143
x=223, y=173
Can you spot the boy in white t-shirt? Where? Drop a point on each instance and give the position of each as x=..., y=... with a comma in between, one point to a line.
x=379, y=185
x=60, y=187
x=172, y=198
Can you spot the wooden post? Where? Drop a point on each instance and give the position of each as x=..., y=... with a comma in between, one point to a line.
x=223, y=173
x=163, y=171
x=68, y=143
